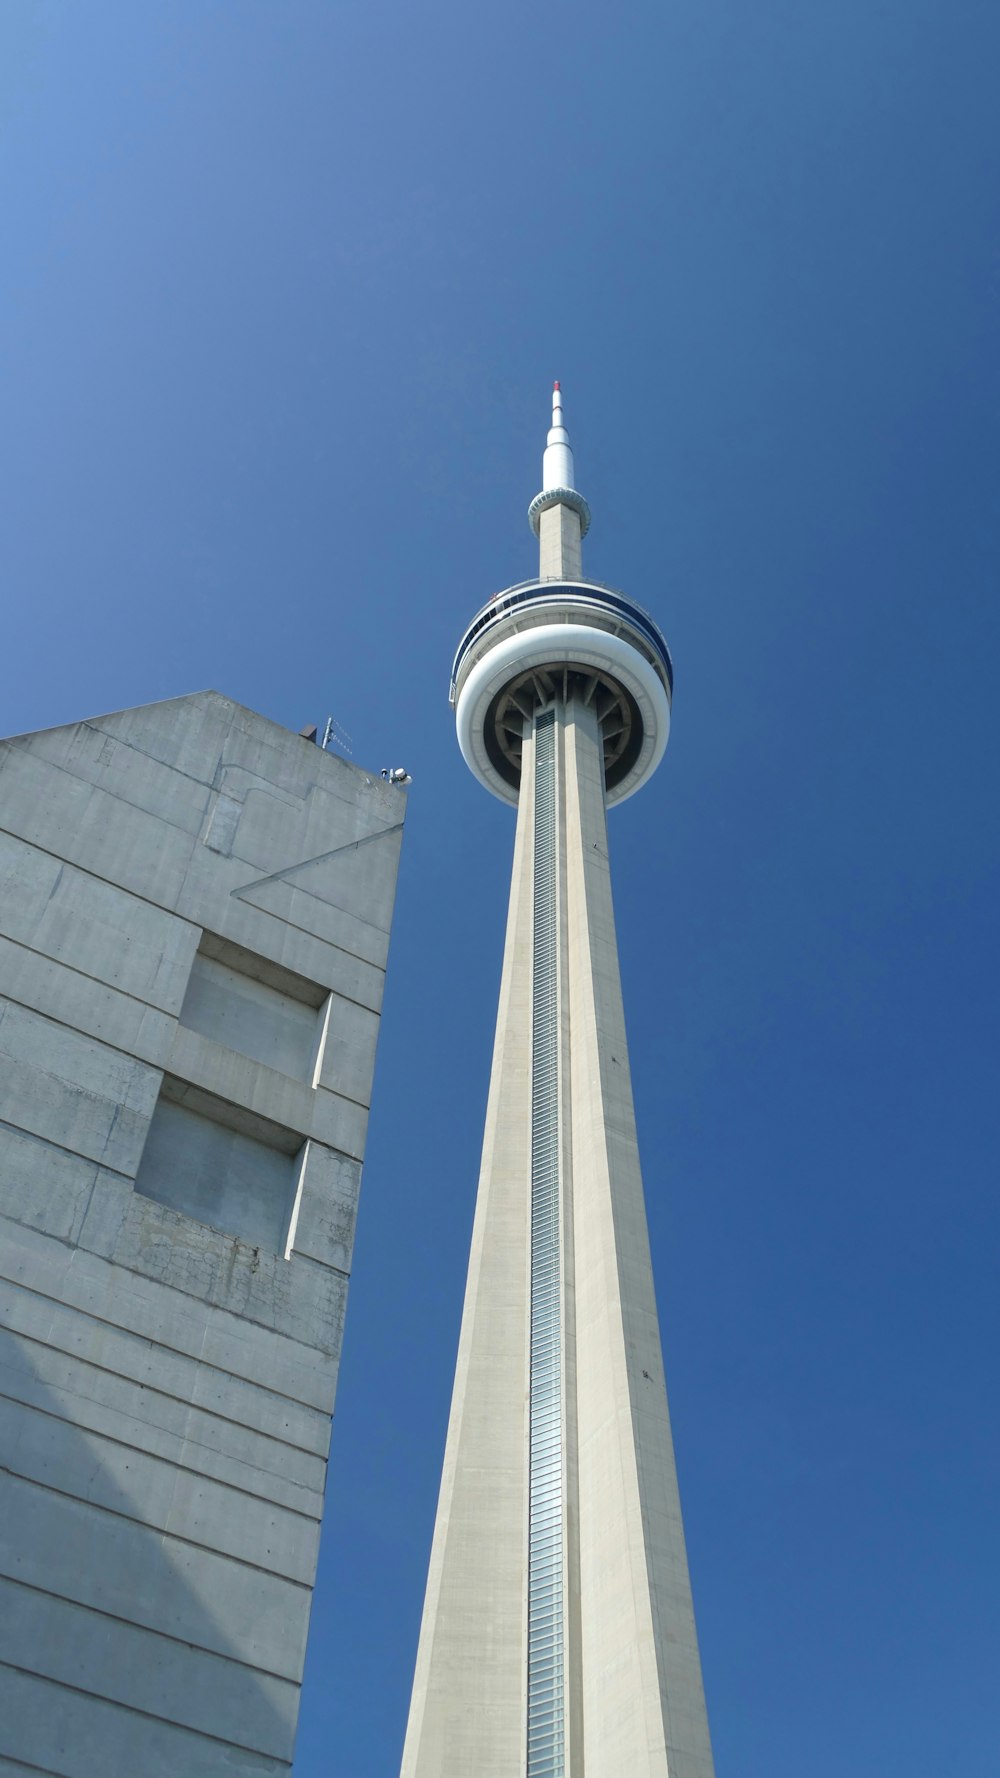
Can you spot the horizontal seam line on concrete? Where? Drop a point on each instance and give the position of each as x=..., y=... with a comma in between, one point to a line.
x=129, y=1623
x=170, y=1722
x=361, y=1104
x=158, y=1531
x=324, y=1265
x=116, y=1049
x=173, y=1017
x=84, y=975
x=93, y=724
x=295, y=927
x=103, y=1321
x=74, y=1154
x=107, y=1370
x=168, y=1066
x=77, y=1246
x=172, y=914
x=104, y=790
x=155, y=1456
x=28, y=1765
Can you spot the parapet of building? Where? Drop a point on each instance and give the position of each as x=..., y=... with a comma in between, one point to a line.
x=194, y=919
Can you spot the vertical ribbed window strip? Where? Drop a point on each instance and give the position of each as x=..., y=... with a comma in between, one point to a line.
x=546, y=1729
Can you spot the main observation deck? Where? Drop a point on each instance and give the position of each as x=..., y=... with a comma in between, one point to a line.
x=543, y=639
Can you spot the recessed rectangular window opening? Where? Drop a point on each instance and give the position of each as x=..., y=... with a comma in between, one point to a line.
x=255, y=1006
x=220, y=1165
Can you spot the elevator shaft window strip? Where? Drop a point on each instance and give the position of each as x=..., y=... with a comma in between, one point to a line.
x=546, y=1716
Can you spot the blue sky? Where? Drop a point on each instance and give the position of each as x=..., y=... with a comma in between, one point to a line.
x=284, y=288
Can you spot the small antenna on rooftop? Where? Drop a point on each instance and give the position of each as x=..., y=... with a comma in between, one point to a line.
x=335, y=734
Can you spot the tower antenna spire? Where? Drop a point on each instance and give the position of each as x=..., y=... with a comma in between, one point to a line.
x=557, y=463
x=559, y=515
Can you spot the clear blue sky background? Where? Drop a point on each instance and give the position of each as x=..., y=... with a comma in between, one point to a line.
x=284, y=287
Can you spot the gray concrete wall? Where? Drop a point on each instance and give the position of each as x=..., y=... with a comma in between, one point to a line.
x=194, y=919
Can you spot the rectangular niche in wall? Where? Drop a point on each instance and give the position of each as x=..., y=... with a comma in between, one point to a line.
x=220, y=1165
x=253, y=1005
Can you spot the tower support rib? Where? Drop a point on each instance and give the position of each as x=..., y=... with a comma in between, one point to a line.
x=546, y=1487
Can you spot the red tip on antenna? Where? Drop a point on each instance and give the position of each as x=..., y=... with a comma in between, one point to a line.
x=555, y=387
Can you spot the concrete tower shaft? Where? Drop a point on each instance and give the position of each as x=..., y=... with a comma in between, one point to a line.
x=558, y=1636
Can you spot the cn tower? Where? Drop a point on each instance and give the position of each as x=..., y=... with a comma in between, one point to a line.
x=558, y=1636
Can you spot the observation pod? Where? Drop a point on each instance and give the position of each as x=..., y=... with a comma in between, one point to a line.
x=558, y=1636
x=544, y=639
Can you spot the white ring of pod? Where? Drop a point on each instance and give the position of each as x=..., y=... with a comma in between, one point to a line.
x=575, y=645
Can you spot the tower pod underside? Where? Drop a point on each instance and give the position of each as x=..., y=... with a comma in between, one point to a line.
x=543, y=640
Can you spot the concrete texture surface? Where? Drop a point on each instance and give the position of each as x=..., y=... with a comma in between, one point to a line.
x=194, y=922
x=469, y=1689
x=634, y=1706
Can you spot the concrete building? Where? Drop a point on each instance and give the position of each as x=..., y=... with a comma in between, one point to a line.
x=194, y=919
x=558, y=1636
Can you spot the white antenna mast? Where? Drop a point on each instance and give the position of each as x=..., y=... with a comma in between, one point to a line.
x=337, y=734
